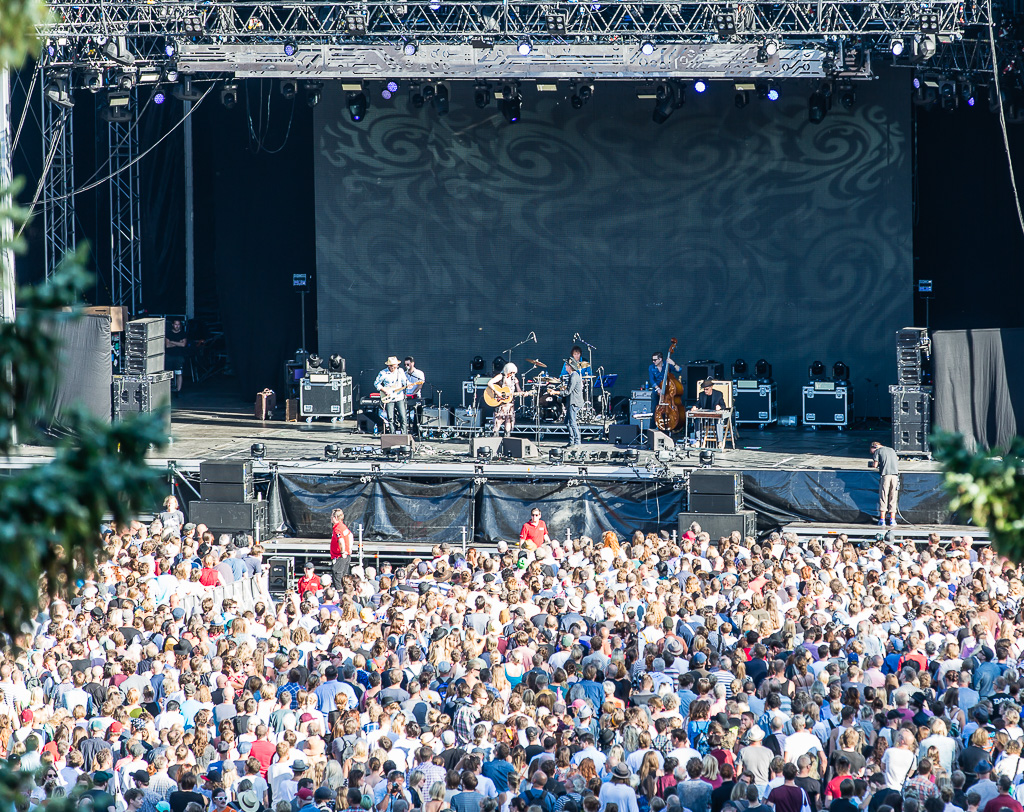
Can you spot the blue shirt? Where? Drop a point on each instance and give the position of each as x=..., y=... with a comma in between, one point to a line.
x=655, y=375
x=325, y=695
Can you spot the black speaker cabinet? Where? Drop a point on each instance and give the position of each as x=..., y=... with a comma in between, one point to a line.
x=718, y=525
x=280, y=573
x=239, y=471
x=624, y=435
x=132, y=394
x=720, y=482
x=228, y=491
x=518, y=448
x=223, y=517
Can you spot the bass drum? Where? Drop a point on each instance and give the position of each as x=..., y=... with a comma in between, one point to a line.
x=552, y=408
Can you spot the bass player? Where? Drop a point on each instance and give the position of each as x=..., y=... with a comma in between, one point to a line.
x=504, y=386
x=391, y=383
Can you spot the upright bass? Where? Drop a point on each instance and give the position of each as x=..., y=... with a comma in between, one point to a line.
x=670, y=397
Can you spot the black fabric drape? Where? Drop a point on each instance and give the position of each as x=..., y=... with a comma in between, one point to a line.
x=979, y=383
x=85, y=372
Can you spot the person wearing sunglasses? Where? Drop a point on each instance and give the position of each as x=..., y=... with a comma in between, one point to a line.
x=534, y=533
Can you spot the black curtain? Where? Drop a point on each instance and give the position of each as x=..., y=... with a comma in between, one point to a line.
x=85, y=373
x=979, y=383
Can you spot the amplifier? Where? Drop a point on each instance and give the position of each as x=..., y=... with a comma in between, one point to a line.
x=145, y=329
x=225, y=471
x=434, y=417
x=641, y=394
x=913, y=337
x=142, y=393
x=331, y=398
x=250, y=517
x=642, y=405
x=721, y=525
x=143, y=364
x=228, y=491
x=468, y=418
x=826, y=408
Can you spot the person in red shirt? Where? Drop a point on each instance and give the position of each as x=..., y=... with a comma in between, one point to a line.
x=534, y=532
x=263, y=750
x=309, y=582
x=341, y=547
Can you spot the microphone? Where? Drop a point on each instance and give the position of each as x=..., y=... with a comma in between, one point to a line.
x=534, y=336
x=575, y=336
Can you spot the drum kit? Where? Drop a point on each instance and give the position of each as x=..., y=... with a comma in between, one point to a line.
x=550, y=392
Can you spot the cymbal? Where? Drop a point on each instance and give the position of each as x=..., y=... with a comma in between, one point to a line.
x=536, y=363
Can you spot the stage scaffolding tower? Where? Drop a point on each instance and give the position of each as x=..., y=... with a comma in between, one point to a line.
x=58, y=180
x=125, y=221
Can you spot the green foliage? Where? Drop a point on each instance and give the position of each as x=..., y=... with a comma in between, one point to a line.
x=989, y=485
x=18, y=21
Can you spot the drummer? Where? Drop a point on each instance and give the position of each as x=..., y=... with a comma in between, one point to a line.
x=577, y=355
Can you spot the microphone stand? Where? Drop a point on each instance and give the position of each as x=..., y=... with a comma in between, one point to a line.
x=531, y=337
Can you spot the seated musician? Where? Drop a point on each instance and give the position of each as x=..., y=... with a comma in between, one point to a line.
x=505, y=414
x=577, y=355
x=711, y=400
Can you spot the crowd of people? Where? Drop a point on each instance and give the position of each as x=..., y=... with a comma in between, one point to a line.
x=608, y=675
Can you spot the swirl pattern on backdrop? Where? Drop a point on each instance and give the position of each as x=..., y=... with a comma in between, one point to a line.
x=745, y=232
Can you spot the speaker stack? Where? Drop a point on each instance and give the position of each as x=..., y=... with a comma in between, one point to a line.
x=715, y=502
x=145, y=386
x=912, y=395
x=229, y=503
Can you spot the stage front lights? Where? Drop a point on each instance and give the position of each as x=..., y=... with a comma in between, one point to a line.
x=257, y=451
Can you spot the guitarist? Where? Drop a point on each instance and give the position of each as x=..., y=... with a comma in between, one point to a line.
x=505, y=414
x=391, y=383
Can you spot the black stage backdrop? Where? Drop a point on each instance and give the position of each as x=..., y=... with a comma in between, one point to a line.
x=979, y=384
x=85, y=375
x=744, y=232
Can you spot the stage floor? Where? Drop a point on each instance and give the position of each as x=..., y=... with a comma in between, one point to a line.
x=216, y=426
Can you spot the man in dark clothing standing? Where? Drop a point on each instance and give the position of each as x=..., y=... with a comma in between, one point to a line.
x=574, y=403
x=888, y=465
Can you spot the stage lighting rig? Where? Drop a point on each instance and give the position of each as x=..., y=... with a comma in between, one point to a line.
x=118, y=107
x=290, y=47
x=763, y=371
x=511, y=104
x=314, y=91
x=700, y=86
x=229, y=94
x=668, y=97
x=816, y=371
x=840, y=373
x=410, y=49
x=117, y=50
x=819, y=103
x=482, y=98
x=331, y=452
x=707, y=458
x=739, y=368
x=556, y=456
x=647, y=48
x=441, y=102
x=484, y=452
x=525, y=47
x=725, y=24
x=57, y=92
x=847, y=95
x=289, y=88
x=257, y=451
x=357, y=104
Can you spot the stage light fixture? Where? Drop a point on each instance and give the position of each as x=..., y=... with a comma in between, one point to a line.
x=313, y=362
x=118, y=107
x=186, y=90
x=763, y=370
x=357, y=104
x=707, y=458
x=840, y=371
x=556, y=456
x=290, y=47
x=917, y=83
x=477, y=364
x=847, y=95
x=416, y=96
x=169, y=50
x=700, y=86
x=816, y=371
x=159, y=97
x=525, y=47
x=631, y=455
x=647, y=48
x=742, y=99
x=314, y=91
x=896, y=46
x=410, y=49
x=925, y=46
x=947, y=94
x=56, y=92
x=739, y=368
x=484, y=452
x=435, y=5
x=554, y=22
x=511, y=105
x=441, y=103
x=817, y=107
x=771, y=47
x=229, y=94
x=967, y=91
x=289, y=88
x=117, y=50
x=929, y=22
x=331, y=452
x=768, y=91
x=668, y=97
x=482, y=98
x=257, y=451
x=93, y=80
x=576, y=102
x=355, y=23
x=171, y=75
x=725, y=24
x=337, y=363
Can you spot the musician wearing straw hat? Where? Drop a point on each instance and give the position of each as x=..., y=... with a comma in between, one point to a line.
x=391, y=383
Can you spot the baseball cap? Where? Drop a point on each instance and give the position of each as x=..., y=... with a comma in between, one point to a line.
x=305, y=793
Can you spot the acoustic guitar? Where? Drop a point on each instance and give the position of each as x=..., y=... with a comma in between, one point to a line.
x=500, y=395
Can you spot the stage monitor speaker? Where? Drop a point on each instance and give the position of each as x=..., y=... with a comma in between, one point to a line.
x=365, y=424
x=493, y=443
x=280, y=571
x=220, y=517
x=658, y=440
x=717, y=525
x=623, y=435
x=518, y=448
x=393, y=440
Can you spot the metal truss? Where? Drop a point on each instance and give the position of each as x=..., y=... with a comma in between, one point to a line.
x=149, y=26
x=125, y=221
x=58, y=182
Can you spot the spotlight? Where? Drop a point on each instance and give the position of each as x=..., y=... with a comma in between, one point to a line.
x=159, y=97
x=410, y=49
x=357, y=104
x=967, y=91
x=647, y=48
x=917, y=83
x=707, y=458
x=631, y=455
x=57, y=93
x=118, y=107
x=314, y=362
x=171, y=75
x=257, y=451
x=816, y=371
x=725, y=24
x=739, y=368
x=313, y=93
x=896, y=46
x=772, y=94
x=441, y=99
x=484, y=452
x=289, y=88
x=576, y=102
x=929, y=23
x=947, y=93
x=840, y=371
x=331, y=452
x=847, y=95
x=742, y=99
x=435, y=5
x=556, y=456
x=477, y=364
x=700, y=86
x=337, y=363
x=416, y=97
x=511, y=105
x=817, y=107
x=926, y=46
x=117, y=50
x=668, y=97
x=525, y=47
x=169, y=50
x=771, y=47
x=763, y=371
x=290, y=47
x=229, y=94
x=482, y=98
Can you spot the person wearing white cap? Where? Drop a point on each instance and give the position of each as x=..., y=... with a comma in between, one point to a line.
x=391, y=383
x=505, y=384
